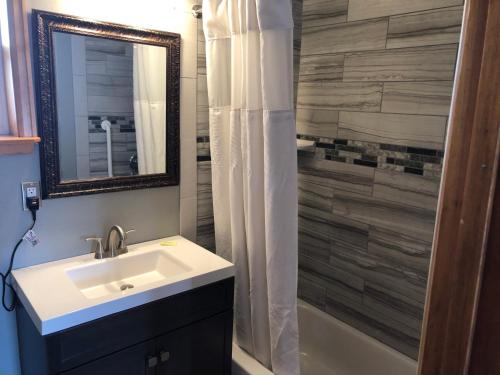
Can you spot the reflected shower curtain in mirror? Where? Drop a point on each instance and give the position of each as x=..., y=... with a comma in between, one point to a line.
x=254, y=169
x=150, y=108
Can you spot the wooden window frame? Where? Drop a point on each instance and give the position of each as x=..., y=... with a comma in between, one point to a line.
x=461, y=240
x=23, y=125
x=11, y=145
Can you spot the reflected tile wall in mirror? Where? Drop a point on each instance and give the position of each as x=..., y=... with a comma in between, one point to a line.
x=111, y=107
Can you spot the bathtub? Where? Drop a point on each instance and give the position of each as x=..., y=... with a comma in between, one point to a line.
x=331, y=347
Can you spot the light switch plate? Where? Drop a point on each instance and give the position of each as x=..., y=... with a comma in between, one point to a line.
x=30, y=190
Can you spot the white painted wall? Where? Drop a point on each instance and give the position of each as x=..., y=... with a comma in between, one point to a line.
x=62, y=223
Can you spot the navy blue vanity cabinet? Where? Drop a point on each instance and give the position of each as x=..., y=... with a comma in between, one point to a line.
x=188, y=333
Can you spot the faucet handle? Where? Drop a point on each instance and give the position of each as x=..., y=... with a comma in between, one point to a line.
x=99, y=252
x=129, y=231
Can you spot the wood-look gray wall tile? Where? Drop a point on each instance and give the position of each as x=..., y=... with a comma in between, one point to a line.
x=314, y=222
x=297, y=6
x=202, y=113
x=315, y=196
x=395, y=309
x=411, y=254
x=326, y=228
x=310, y=291
x=125, y=92
x=314, y=245
x=348, y=235
x=396, y=281
x=204, y=176
x=421, y=98
x=407, y=64
x=201, y=91
x=398, y=129
x=364, y=9
x=205, y=217
x=342, y=176
x=370, y=266
x=205, y=235
x=357, y=96
x=317, y=122
x=349, y=258
x=400, y=264
x=430, y=27
x=373, y=324
x=321, y=12
x=405, y=189
x=399, y=295
x=409, y=221
x=332, y=278
x=201, y=56
x=325, y=67
x=335, y=38
x=202, y=125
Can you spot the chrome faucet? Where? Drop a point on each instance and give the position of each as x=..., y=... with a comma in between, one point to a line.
x=115, y=243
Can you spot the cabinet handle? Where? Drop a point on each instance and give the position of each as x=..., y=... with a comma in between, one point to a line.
x=164, y=356
x=152, y=361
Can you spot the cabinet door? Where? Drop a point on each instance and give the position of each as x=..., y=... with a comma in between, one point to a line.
x=137, y=360
x=201, y=348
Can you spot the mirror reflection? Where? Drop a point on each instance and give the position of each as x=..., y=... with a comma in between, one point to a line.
x=111, y=107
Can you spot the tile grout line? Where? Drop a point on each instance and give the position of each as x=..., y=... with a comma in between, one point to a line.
x=410, y=13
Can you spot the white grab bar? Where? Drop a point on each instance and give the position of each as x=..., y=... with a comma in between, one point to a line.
x=106, y=125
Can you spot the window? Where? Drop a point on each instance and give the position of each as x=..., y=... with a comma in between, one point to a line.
x=17, y=118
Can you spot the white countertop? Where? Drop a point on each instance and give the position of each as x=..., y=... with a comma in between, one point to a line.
x=55, y=302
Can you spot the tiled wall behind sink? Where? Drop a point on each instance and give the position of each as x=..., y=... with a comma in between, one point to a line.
x=374, y=93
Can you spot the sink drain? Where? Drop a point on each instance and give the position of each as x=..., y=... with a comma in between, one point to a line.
x=126, y=286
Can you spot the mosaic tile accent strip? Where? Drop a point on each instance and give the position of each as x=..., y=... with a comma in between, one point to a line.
x=122, y=124
x=420, y=161
x=203, y=148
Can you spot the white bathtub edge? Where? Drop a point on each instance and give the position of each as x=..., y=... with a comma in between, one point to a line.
x=366, y=341
x=245, y=364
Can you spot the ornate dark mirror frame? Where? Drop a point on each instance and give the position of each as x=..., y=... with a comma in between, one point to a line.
x=44, y=25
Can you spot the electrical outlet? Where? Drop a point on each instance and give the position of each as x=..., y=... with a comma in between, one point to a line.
x=29, y=190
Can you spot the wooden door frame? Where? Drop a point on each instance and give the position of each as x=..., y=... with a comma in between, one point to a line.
x=485, y=351
x=466, y=198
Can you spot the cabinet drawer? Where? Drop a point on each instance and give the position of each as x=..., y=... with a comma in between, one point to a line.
x=200, y=348
x=130, y=361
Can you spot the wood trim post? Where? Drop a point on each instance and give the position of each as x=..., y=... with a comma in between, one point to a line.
x=466, y=196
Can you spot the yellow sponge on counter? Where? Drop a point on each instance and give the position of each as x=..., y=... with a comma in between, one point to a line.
x=168, y=243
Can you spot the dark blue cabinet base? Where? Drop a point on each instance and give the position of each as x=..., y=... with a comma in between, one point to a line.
x=189, y=333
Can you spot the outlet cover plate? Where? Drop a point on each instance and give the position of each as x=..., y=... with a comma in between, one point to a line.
x=25, y=186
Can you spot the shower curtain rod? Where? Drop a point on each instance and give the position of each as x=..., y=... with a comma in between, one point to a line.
x=196, y=11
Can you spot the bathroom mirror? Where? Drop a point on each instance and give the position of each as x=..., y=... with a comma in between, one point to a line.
x=108, y=105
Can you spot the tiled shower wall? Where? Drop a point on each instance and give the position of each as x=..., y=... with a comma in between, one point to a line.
x=374, y=93
x=205, y=218
x=205, y=235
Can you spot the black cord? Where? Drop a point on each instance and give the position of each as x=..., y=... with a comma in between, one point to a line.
x=5, y=283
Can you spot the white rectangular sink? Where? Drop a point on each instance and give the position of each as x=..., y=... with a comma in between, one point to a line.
x=62, y=294
x=122, y=273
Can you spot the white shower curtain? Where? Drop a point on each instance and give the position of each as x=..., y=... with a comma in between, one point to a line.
x=254, y=169
x=149, y=71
